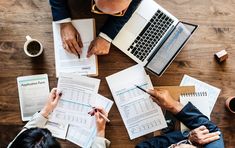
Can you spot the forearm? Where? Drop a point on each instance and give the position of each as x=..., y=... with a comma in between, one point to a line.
x=193, y=118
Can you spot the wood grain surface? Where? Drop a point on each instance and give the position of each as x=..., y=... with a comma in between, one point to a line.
x=216, y=20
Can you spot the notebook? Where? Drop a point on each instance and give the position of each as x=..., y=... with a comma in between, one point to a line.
x=200, y=100
x=33, y=93
x=66, y=62
x=212, y=92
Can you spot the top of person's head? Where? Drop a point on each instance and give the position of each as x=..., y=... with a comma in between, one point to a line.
x=112, y=6
x=35, y=138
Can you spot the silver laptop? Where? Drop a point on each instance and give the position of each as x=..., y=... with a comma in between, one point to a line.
x=153, y=37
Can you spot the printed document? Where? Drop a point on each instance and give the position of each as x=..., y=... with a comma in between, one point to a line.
x=75, y=102
x=67, y=62
x=79, y=95
x=212, y=92
x=58, y=130
x=139, y=113
x=33, y=93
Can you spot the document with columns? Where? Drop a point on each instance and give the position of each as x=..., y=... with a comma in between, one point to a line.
x=139, y=113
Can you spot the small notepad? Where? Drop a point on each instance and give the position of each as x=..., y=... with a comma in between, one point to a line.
x=199, y=100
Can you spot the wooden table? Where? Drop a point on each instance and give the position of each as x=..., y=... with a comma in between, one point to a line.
x=33, y=17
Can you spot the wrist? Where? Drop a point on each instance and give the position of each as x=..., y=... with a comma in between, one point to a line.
x=65, y=24
x=176, y=108
x=101, y=133
x=45, y=112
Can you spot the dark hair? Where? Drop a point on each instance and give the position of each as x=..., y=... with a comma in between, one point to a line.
x=35, y=138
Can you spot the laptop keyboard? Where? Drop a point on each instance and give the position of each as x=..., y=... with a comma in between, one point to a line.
x=150, y=35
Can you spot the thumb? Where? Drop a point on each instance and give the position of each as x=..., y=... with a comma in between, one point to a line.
x=151, y=91
x=97, y=116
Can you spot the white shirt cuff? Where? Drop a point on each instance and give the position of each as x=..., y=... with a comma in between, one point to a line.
x=104, y=36
x=67, y=20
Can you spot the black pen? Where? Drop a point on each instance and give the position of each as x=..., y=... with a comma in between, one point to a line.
x=144, y=90
x=75, y=49
x=78, y=54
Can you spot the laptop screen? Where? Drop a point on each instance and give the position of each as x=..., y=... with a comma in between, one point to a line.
x=170, y=48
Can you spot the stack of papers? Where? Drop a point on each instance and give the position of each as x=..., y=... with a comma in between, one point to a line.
x=70, y=119
x=138, y=111
x=66, y=62
x=204, y=98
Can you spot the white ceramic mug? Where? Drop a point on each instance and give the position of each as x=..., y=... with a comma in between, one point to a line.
x=32, y=47
x=230, y=104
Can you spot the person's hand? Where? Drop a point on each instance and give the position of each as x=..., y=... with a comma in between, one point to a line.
x=100, y=121
x=71, y=38
x=98, y=46
x=165, y=100
x=202, y=136
x=52, y=101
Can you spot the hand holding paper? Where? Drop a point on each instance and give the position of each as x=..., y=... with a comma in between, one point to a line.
x=52, y=101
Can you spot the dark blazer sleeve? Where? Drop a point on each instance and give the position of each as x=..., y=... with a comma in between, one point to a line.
x=193, y=118
x=59, y=9
x=114, y=23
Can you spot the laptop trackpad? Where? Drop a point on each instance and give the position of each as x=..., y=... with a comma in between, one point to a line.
x=136, y=24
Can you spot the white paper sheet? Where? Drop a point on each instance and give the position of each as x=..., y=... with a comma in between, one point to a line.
x=77, y=95
x=66, y=62
x=200, y=86
x=139, y=113
x=33, y=93
x=81, y=136
x=199, y=101
x=58, y=130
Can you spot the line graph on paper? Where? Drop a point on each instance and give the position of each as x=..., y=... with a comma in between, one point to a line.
x=124, y=95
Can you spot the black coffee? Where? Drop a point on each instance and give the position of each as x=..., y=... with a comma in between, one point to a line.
x=33, y=48
x=232, y=104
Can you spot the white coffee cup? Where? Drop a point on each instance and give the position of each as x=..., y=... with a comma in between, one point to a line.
x=32, y=47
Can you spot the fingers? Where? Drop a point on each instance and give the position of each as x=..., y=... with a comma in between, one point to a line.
x=151, y=91
x=98, y=46
x=202, y=127
x=71, y=38
x=79, y=41
x=211, y=135
x=72, y=45
x=101, y=110
x=208, y=140
x=202, y=136
x=90, y=51
x=55, y=94
x=53, y=91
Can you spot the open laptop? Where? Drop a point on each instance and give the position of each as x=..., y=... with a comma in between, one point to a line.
x=153, y=37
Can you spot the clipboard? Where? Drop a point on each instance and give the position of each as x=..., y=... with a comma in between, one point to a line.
x=176, y=91
x=66, y=62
